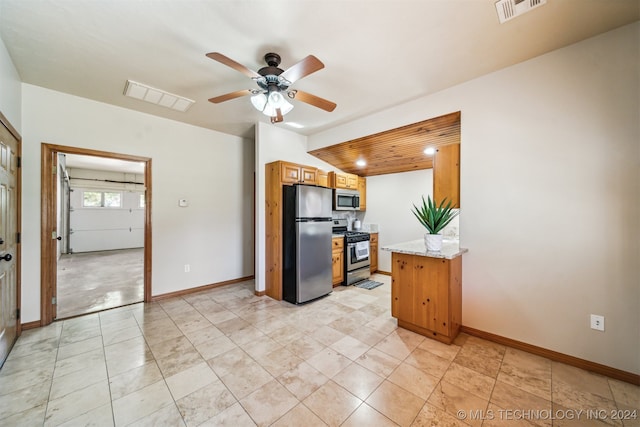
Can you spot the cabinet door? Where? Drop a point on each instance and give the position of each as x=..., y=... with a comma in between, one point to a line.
x=352, y=181
x=362, y=188
x=340, y=181
x=323, y=178
x=402, y=287
x=373, y=252
x=309, y=175
x=432, y=296
x=337, y=267
x=446, y=174
x=289, y=172
x=373, y=258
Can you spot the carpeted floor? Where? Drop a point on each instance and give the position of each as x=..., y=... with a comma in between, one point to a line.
x=94, y=281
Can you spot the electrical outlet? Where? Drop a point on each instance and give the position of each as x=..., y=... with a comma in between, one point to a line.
x=187, y=268
x=597, y=322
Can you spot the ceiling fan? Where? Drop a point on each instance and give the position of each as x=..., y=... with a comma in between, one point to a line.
x=274, y=83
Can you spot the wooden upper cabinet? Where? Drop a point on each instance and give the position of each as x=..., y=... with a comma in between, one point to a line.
x=343, y=180
x=323, y=178
x=293, y=173
x=446, y=174
x=309, y=175
x=362, y=188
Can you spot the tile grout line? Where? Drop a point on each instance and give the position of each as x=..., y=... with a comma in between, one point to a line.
x=46, y=410
x=155, y=360
x=106, y=367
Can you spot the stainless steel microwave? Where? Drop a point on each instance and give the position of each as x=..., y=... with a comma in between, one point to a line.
x=346, y=200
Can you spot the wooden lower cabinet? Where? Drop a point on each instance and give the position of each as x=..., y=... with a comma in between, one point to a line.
x=426, y=295
x=373, y=252
x=337, y=260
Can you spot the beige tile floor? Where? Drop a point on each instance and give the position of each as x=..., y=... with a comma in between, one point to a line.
x=227, y=357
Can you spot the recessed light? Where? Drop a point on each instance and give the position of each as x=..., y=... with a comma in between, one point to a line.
x=361, y=163
x=156, y=96
x=429, y=151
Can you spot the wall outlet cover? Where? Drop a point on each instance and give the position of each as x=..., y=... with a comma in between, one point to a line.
x=597, y=322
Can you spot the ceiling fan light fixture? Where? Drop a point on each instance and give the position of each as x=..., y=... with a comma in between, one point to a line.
x=259, y=101
x=275, y=102
x=276, y=99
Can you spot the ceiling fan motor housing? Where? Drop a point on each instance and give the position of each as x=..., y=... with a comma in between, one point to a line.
x=270, y=73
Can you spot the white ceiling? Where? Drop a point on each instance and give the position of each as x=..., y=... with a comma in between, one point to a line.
x=377, y=53
x=103, y=164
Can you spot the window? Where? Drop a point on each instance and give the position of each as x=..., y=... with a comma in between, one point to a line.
x=101, y=199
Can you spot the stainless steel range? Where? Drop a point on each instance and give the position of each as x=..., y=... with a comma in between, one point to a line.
x=356, y=246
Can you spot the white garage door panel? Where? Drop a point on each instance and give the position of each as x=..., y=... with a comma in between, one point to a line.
x=106, y=219
x=103, y=229
x=105, y=240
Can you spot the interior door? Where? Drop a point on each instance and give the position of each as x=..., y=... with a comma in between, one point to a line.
x=8, y=241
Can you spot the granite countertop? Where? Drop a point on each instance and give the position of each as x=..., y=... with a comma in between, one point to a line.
x=337, y=236
x=450, y=249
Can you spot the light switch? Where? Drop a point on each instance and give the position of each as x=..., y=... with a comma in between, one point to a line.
x=183, y=203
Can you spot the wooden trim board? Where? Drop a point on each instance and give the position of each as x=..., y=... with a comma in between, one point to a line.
x=31, y=325
x=555, y=356
x=199, y=289
x=48, y=222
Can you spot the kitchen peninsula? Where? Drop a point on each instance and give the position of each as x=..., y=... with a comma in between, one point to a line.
x=426, y=288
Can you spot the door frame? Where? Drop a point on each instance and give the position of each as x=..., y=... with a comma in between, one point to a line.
x=48, y=221
x=13, y=131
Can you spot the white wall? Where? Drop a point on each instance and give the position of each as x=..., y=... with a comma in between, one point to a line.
x=275, y=143
x=390, y=199
x=550, y=195
x=10, y=89
x=212, y=170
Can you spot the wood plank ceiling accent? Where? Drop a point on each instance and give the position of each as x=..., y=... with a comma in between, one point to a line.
x=396, y=150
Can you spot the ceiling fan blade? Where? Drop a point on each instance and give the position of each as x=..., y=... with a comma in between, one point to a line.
x=308, y=65
x=216, y=56
x=316, y=101
x=229, y=96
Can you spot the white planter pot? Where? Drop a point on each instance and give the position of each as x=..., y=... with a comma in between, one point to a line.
x=433, y=242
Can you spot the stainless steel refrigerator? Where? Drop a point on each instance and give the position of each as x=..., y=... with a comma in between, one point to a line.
x=306, y=243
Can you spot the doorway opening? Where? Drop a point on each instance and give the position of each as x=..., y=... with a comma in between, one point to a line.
x=96, y=231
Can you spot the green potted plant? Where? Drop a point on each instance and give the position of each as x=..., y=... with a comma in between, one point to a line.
x=434, y=218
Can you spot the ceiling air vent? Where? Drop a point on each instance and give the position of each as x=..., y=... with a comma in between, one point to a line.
x=156, y=96
x=509, y=9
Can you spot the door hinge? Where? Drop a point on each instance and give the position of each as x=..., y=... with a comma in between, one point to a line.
x=53, y=301
x=19, y=162
x=17, y=237
x=17, y=313
x=53, y=170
